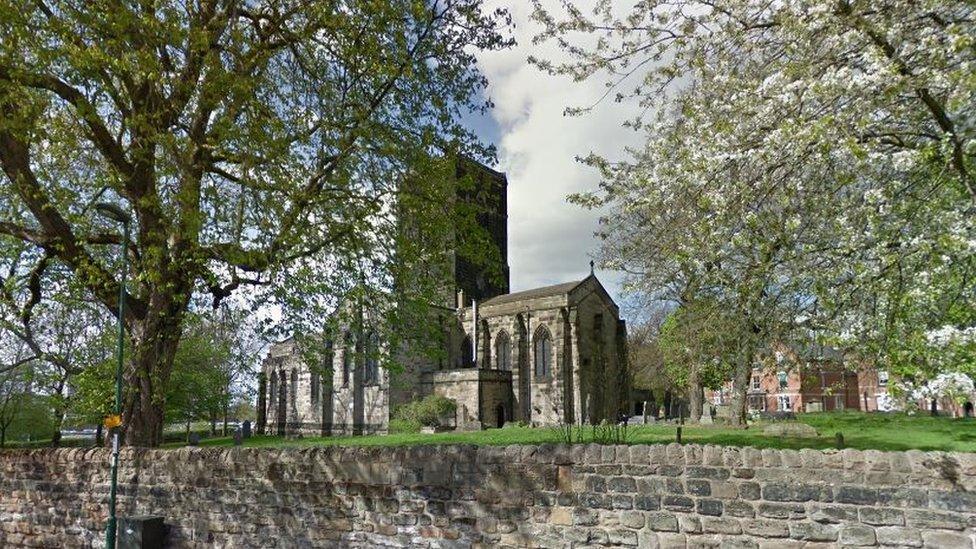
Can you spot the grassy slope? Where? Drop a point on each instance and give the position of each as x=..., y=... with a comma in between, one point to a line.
x=861, y=431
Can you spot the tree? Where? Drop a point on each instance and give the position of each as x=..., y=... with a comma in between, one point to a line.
x=207, y=376
x=697, y=346
x=57, y=336
x=808, y=164
x=255, y=145
x=24, y=412
x=644, y=357
x=12, y=389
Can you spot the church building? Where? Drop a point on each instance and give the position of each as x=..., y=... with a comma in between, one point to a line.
x=544, y=356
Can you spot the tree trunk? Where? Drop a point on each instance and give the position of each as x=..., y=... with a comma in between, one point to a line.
x=667, y=405
x=187, y=430
x=694, y=396
x=59, y=414
x=98, y=435
x=741, y=374
x=60, y=410
x=263, y=404
x=154, y=343
x=226, y=411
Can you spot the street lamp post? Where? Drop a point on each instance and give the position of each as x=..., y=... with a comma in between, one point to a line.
x=114, y=213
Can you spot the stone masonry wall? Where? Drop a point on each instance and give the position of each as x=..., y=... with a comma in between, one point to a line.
x=460, y=496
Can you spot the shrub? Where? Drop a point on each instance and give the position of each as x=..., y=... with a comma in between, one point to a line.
x=398, y=426
x=426, y=412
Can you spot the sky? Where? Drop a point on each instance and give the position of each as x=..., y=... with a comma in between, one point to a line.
x=550, y=240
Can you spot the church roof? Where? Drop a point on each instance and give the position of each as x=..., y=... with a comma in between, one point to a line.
x=545, y=291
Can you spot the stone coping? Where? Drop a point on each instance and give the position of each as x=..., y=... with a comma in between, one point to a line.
x=558, y=454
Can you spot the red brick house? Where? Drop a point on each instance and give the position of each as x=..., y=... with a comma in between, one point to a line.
x=811, y=381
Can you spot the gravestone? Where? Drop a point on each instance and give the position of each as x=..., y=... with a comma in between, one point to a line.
x=790, y=429
x=246, y=428
x=194, y=439
x=707, y=417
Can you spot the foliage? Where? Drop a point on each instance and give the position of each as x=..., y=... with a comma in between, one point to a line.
x=429, y=411
x=24, y=414
x=34, y=419
x=610, y=433
x=204, y=381
x=809, y=165
x=569, y=433
x=94, y=392
x=602, y=433
x=398, y=426
x=644, y=358
x=950, y=389
x=697, y=344
x=256, y=146
x=196, y=388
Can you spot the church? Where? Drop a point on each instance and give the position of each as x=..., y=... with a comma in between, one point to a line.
x=543, y=356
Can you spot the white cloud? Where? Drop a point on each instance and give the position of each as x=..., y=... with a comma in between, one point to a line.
x=550, y=240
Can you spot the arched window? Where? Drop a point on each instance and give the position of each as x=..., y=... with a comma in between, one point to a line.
x=543, y=353
x=273, y=389
x=371, y=374
x=503, y=352
x=348, y=353
x=314, y=389
x=293, y=396
x=466, y=354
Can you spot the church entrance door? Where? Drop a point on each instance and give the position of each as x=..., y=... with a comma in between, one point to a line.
x=500, y=415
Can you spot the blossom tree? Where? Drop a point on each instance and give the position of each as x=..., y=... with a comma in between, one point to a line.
x=809, y=163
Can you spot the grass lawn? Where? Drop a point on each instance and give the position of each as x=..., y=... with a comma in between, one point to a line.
x=861, y=431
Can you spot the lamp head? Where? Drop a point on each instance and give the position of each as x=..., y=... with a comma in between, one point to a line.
x=113, y=212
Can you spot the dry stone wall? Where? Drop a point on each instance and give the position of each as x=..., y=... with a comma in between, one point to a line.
x=461, y=496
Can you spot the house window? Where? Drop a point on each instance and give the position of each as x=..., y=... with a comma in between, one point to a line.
x=503, y=352
x=757, y=402
x=784, y=403
x=371, y=374
x=543, y=353
x=755, y=382
x=782, y=380
x=883, y=378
